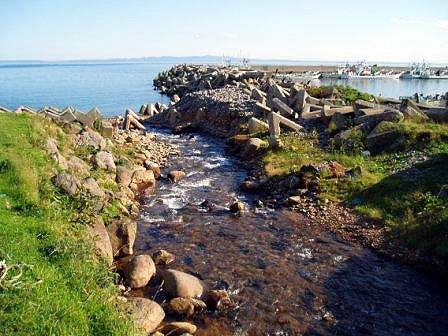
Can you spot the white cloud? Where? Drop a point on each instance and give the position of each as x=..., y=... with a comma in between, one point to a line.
x=439, y=24
x=405, y=21
x=197, y=36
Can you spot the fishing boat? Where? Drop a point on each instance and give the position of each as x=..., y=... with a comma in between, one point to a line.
x=363, y=70
x=424, y=71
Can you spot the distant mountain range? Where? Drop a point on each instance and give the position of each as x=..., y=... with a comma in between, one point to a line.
x=187, y=59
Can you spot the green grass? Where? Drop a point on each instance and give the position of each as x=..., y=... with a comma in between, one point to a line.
x=62, y=289
x=405, y=196
x=347, y=93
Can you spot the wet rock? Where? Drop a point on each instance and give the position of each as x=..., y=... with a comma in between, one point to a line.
x=154, y=167
x=105, y=160
x=123, y=176
x=140, y=270
x=142, y=179
x=67, y=182
x=237, y=207
x=179, y=328
x=147, y=314
x=103, y=248
x=180, y=284
x=162, y=257
x=219, y=299
x=185, y=306
x=78, y=167
x=176, y=175
x=250, y=186
x=122, y=233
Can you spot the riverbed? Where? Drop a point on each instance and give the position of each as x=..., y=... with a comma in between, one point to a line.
x=286, y=275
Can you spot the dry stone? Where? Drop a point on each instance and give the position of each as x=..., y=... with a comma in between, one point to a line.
x=140, y=270
x=180, y=284
x=147, y=314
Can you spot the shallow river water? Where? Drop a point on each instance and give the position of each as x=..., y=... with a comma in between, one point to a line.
x=287, y=275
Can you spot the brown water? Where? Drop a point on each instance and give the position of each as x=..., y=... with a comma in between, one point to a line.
x=287, y=275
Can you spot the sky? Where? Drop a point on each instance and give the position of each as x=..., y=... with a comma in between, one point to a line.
x=327, y=30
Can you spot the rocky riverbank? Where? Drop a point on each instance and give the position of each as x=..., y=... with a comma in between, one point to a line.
x=244, y=104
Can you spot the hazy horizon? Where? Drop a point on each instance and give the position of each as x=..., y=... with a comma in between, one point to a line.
x=399, y=31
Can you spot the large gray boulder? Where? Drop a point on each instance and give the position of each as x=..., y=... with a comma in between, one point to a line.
x=92, y=187
x=383, y=138
x=92, y=139
x=98, y=234
x=67, y=183
x=78, y=167
x=180, y=284
x=140, y=270
x=122, y=233
x=410, y=109
x=147, y=314
x=105, y=160
x=374, y=119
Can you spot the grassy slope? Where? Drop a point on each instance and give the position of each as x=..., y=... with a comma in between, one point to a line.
x=62, y=290
x=410, y=205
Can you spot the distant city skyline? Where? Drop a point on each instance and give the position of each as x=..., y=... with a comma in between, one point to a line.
x=383, y=31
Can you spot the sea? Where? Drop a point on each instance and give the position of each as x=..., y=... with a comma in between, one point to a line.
x=115, y=85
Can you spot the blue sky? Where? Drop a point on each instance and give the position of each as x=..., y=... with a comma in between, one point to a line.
x=379, y=30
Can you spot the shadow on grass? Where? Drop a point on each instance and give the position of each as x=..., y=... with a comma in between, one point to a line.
x=414, y=205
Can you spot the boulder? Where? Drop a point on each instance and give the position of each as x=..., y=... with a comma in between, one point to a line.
x=147, y=314
x=185, y=306
x=123, y=176
x=77, y=167
x=142, y=179
x=67, y=182
x=162, y=257
x=92, y=187
x=122, y=233
x=105, y=160
x=275, y=91
x=218, y=299
x=176, y=175
x=179, y=328
x=92, y=139
x=139, y=271
x=180, y=284
x=98, y=234
x=237, y=207
x=154, y=167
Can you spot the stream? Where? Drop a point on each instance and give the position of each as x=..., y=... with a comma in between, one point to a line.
x=286, y=274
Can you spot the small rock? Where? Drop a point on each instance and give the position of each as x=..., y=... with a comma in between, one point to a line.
x=179, y=328
x=105, y=160
x=185, y=306
x=180, y=284
x=147, y=314
x=162, y=257
x=176, y=175
x=154, y=167
x=140, y=270
x=218, y=299
x=237, y=207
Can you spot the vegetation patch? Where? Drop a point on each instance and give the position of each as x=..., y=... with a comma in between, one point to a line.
x=407, y=190
x=51, y=284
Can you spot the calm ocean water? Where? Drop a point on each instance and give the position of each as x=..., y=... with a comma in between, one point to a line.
x=114, y=86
